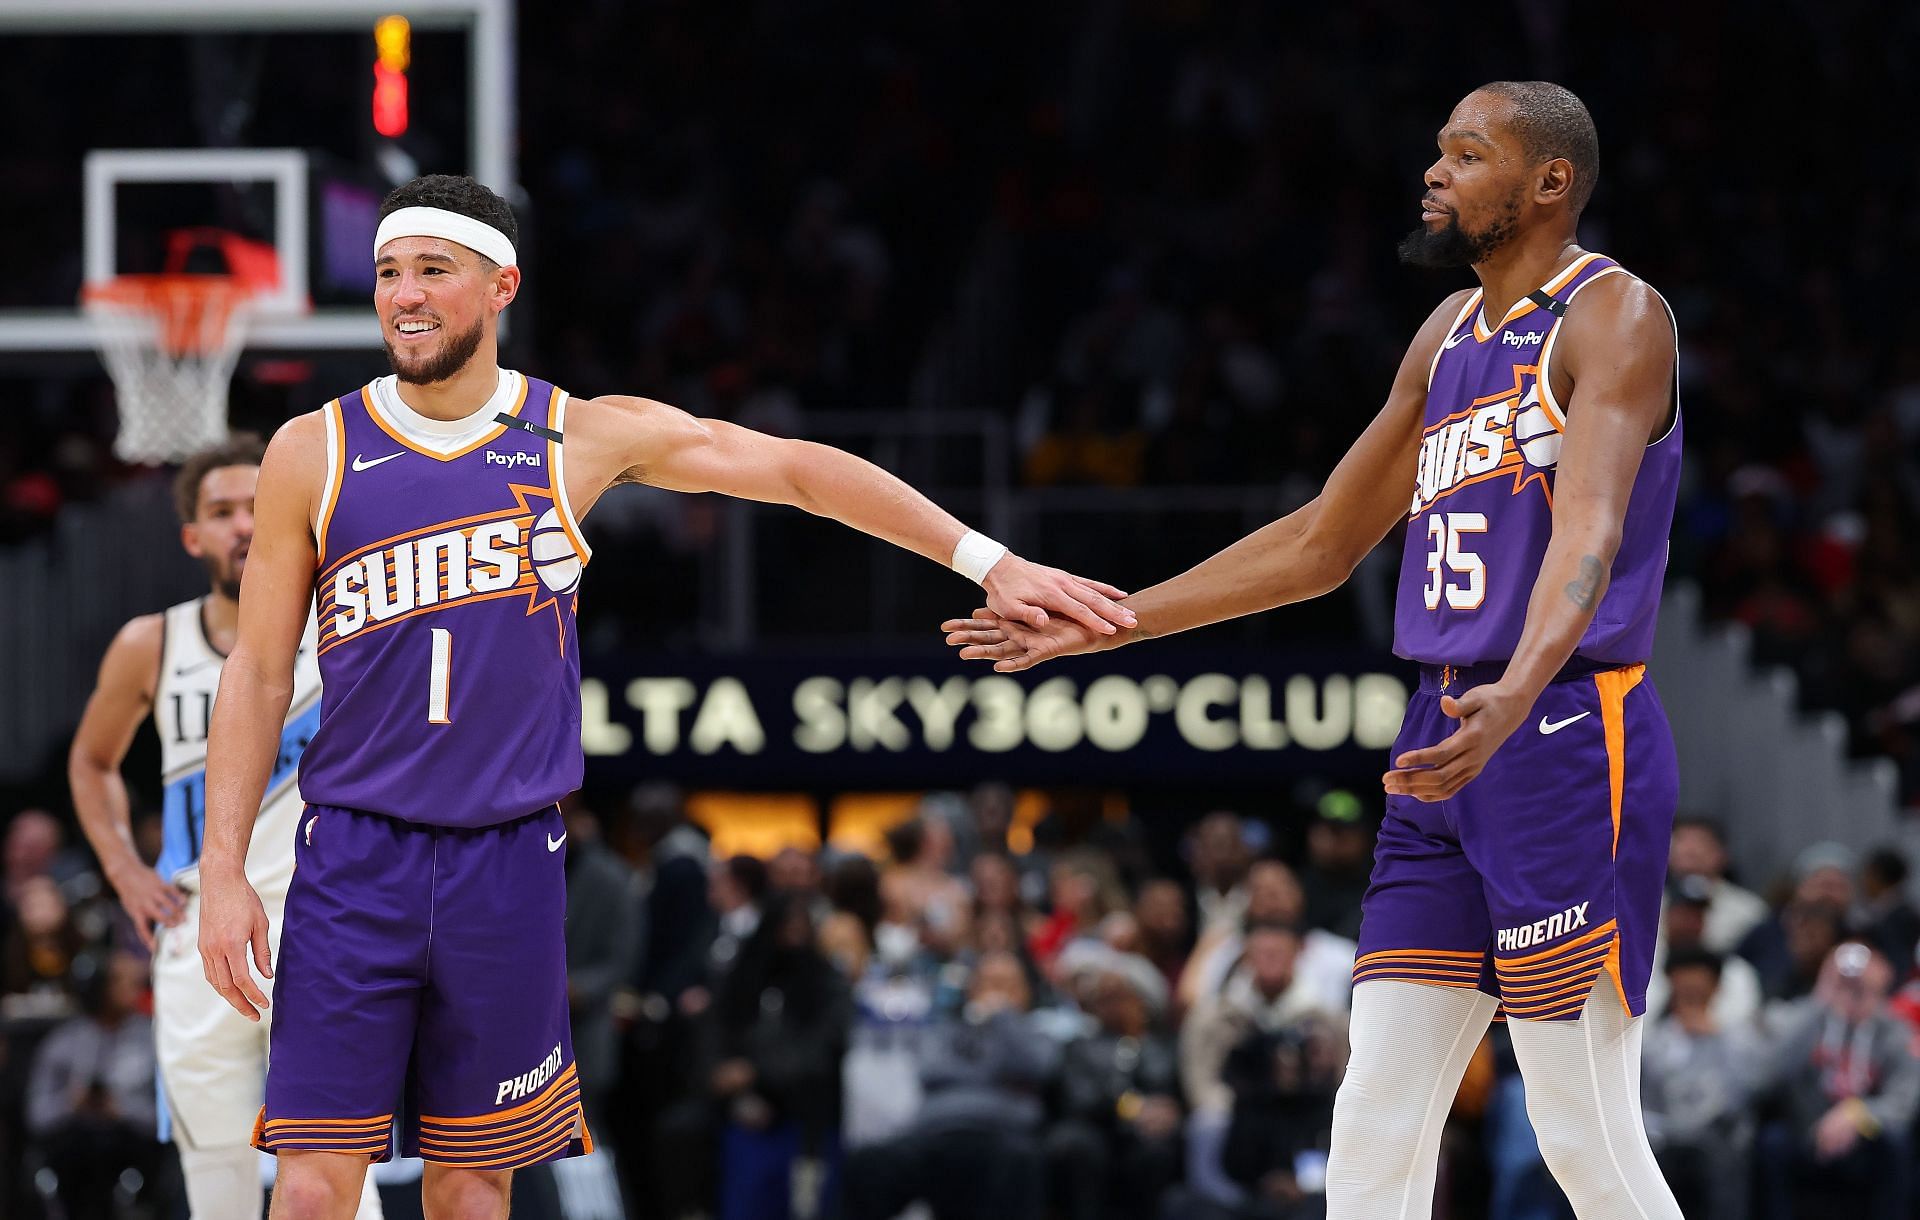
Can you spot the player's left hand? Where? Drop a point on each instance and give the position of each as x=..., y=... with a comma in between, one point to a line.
x=1024, y=591
x=1488, y=715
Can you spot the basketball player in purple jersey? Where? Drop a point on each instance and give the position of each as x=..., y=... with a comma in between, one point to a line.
x=434, y=515
x=1531, y=446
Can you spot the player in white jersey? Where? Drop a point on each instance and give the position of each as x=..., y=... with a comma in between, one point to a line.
x=212, y=1060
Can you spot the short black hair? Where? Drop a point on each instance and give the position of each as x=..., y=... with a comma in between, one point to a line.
x=240, y=449
x=1551, y=122
x=1690, y=821
x=1705, y=959
x=454, y=193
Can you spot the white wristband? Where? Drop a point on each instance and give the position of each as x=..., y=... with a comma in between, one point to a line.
x=974, y=556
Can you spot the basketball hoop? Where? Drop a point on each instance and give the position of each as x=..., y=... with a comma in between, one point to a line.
x=171, y=341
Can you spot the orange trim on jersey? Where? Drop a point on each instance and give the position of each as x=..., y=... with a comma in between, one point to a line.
x=1613, y=685
x=556, y=488
x=555, y=1128
x=487, y=438
x=532, y=1103
x=1525, y=305
x=1472, y=955
x=1557, y=950
x=330, y=499
x=1613, y=972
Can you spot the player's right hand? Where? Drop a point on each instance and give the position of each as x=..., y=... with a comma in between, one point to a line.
x=1013, y=646
x=233, y=927
x=148, y=900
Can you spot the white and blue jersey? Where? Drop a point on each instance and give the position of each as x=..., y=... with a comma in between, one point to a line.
x=182, y=712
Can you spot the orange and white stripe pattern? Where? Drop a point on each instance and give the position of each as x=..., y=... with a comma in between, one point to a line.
x=1553, y=984
x=371, y=1137
x=1440, y=967
x=547, y=1125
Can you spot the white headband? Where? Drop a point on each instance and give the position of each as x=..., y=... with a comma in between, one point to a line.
x=476, y=235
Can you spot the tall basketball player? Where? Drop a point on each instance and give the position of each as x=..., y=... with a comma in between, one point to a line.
x=213, y=1062
x=436, y=514
x=1531, y=446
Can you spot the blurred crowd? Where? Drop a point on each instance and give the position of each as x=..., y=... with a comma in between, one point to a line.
x=1103, y=1025
x=1156, y=238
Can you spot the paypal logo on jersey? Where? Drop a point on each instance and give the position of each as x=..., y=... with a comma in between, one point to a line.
x=1512, y=340
x=512, y=459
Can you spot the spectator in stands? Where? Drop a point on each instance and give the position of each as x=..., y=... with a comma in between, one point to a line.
x=1736, y=992
x=1274, y=895
x=603, y=951
x=1892, y=924
x=919, y=896
x=736, y=889
x=1283, y=1087
x=971, y=1152
x=1339, y=862
x=1849, y=1086
x=1265, y=993
x=1788, y=949
x=1699, y=849
x=1696, y=1087
x=37, y=964
x=91, y=1106
x=781, y=1023
x=1116, y=1145
x=36, y=847
x=1084, y=890
x=1166, y=934
x=1218, y=857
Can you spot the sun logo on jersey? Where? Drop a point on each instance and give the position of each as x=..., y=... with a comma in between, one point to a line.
x=525, y=549
x=1508, y=434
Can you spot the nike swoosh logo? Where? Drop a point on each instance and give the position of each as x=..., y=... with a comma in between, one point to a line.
x=360, y=461
x=553, y=844
x=182, y=671
x=1458, y=339
x=1549, y=727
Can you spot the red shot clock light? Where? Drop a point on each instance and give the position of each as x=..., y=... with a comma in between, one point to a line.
x=393, y=37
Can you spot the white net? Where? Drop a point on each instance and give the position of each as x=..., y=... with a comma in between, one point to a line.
x=170, y=343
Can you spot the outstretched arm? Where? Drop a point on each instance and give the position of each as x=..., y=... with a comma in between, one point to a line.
x=256, y=686
x=636, y=440
x=1618, y=349
x=121, y=700
x=1306, y=553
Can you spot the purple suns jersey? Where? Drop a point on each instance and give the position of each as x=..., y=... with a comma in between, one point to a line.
x=446, y=591
x=1483, y=498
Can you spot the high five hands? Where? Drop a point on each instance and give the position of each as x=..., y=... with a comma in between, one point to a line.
x=1013, y=645
x=1022, y=593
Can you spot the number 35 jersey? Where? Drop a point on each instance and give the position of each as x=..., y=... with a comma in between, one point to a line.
x=446, y=590
x=1482, y=507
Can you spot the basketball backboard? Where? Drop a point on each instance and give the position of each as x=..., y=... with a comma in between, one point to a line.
x=249, y=115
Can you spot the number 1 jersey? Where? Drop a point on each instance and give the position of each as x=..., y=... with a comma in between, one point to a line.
x=447, y=587
x=1482, y=509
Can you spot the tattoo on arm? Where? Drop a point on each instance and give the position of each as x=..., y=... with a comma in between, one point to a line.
x=1584, y=590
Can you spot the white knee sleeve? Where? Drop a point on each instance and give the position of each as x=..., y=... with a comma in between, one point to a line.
x=1583, y=1095
x=1411, y=1045
x=222, y=1183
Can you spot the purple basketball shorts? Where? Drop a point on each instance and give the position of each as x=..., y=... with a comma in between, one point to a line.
x=1546, y=870
x=423, y=972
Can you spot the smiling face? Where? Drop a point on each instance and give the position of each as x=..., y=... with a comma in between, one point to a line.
x=1478, y=190
x=437, y=301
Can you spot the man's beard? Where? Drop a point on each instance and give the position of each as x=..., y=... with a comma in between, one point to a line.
x=225, y=575
x=1452, y=246
x=454, y=354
